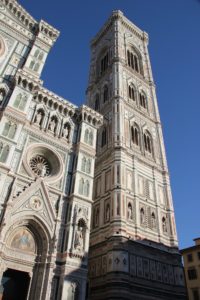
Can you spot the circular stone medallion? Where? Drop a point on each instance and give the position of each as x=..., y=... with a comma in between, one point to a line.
x=36, y=204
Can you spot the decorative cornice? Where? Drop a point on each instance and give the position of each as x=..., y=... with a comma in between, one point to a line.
x=91, y=116
x=31, y=27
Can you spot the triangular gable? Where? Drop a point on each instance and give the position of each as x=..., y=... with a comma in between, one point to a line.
x=35, y=201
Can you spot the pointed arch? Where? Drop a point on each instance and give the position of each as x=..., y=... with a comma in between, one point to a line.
x=83, y=164
x=143, y=99
x=105, y=94
x=134, y=59
x=148, y=144
x=97, y=102
x=104, y=137
x=135, y=134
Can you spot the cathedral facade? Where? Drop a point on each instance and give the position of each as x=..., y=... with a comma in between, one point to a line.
x=47, y=153
x=50, y=212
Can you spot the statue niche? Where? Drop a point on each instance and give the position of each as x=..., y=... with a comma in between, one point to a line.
x=39, y=117
x=79, y=241
x=53, y=124
x=66, y=131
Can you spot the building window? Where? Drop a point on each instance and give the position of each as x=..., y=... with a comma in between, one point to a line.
x=192, y=274
x=133, y=61
x=104, y=137
x=148, y=142
x=83, y=165
x=4, y=150
x=135, y=134
x=104, y=63
x=9, y=130
x=198, y=254
x=189, y=257
x=81, y=185
x=131, y=92
x=107, y=213
x=88, y=137
x=195, y=294
x=84, y=187
x=20, y=102
x=88, y=166
x=97, y=103
x=105, y=94
x=143, y=100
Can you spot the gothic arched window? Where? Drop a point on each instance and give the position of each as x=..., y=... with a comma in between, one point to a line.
x=88, y=166
x=36, y=53
x=32, y=64
x=97, y=103
x=91, y=138
x=83, y=165
x=104, y=62
x=148, y=142
x=9, y=130
x=86, y=188
x=105, y=94
x=41, y=55
x=20, y=102
x=143, y=100
x=135, y=135
x=36, y=67
x=4, y=150
x=86, y=136
x=81, y=185
x=104, y=137
x=131, y=92
x=96, y=217
x=107, y=212
x=133, y=61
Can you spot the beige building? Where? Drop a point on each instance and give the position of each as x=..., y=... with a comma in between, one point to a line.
x=191, y=258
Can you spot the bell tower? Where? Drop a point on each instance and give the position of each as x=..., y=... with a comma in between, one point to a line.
x=133, y=243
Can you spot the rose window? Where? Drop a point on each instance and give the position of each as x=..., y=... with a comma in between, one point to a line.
x=40, y=166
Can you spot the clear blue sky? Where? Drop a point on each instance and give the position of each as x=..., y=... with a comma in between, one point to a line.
x=174, y=30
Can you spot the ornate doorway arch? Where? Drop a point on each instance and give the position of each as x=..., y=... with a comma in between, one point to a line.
x=25, y=250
